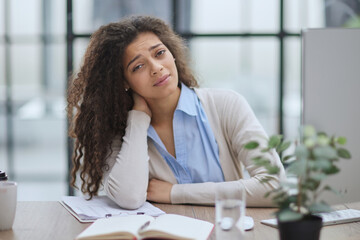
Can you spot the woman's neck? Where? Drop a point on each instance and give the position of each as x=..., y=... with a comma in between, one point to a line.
x=162, y=110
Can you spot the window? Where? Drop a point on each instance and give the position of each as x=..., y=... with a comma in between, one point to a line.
x=250, y=46
x=34, y=90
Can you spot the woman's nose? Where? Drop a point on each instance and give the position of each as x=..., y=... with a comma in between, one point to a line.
x=156, y=67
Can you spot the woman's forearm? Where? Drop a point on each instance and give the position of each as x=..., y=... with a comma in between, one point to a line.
x=127, y=179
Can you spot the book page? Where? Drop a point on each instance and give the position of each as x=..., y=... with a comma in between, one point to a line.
x=179, y=227
x=115, y=227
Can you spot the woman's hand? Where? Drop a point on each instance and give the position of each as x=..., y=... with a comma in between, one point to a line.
x=159, y=191
x=140, y=104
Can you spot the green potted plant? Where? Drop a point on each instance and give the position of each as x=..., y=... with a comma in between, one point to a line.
x=314, y=158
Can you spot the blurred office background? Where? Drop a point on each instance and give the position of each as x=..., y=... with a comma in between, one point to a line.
x=250, y=46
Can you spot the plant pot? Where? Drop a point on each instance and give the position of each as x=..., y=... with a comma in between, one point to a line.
x=307, y=228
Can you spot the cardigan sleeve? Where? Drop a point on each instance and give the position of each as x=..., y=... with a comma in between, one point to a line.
x=239, y=126
x=126, y=180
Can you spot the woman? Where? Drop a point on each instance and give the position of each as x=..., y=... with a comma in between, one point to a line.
x=144, y=132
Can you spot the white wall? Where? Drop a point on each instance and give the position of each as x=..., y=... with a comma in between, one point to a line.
x=331, y=98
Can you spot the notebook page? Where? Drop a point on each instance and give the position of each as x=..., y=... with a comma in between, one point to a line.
x=102, y=206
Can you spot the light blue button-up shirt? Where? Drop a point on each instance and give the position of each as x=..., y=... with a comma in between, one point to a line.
x=197, y=153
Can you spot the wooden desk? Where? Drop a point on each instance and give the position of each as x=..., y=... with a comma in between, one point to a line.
x=50, y=221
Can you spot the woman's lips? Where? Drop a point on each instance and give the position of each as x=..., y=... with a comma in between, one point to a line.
x=162, y=80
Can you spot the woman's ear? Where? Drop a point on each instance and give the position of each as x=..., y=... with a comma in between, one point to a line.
x=126, y=86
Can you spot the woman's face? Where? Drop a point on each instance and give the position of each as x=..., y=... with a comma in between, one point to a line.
x=149, y=67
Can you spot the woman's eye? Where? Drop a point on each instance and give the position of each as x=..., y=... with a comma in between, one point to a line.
x=159, y=53
x=137, y=67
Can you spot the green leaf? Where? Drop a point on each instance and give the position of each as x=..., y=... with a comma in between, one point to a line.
x=286, y=158
x=293, y=199
x=323, y=140
x=272, y=169
x=301, y=152
x=298, y=167
x=251, y=145
x=322, y=164
x=279, y=197
x=341, y=140
x=260, y=161
x=274, y=141
x=309, y=142
x=267, y=194
x=322, y=134
x=265, y=150
x=319, y=207
x=265, y=180
x=287, y=215
x=311, y=165
x=332, y=170
x=324, y=152
x=343, y=153
x=319, y=176
x=328, y=188
x=257, y=158
x=309, y=131
x=283, y=146
x=311, y=184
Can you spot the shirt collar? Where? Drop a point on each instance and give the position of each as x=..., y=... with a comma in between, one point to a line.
x=187, y=101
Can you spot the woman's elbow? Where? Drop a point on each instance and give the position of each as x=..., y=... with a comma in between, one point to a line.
x=130, y=202
x=126, y=198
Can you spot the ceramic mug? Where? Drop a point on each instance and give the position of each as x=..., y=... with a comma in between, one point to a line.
x=8, y=200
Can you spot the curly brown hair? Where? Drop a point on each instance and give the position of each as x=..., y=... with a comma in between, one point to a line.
x=98, y=104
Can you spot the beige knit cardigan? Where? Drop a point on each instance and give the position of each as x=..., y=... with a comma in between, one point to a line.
x=233, y=123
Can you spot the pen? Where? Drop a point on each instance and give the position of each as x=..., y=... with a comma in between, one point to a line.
x=110, y=215
x=144, y=225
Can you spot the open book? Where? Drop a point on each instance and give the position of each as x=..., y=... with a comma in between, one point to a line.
x=168, y=226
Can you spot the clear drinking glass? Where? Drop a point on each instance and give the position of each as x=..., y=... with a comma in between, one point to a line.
x=230, y=213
